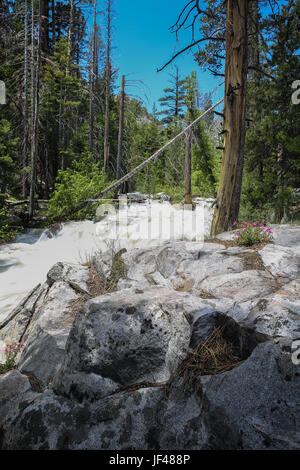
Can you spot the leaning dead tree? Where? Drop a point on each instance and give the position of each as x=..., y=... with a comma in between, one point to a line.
x=149, y=160
x=234, y=39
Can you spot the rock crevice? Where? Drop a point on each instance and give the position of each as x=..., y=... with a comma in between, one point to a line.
x=194, y=350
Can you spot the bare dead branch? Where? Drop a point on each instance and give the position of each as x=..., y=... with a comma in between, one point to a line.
x=185, y=19
x=189, y=47
x=216, y=74
x=182, y=12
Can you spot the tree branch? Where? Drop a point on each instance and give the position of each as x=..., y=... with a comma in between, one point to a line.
x=189, y=47
x=251, y=67
x=185, y=19
x=176, y=24
x=216, y=74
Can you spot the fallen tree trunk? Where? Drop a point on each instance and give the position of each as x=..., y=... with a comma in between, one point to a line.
x=21, y=203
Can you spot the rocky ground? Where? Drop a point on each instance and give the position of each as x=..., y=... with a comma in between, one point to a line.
x=192, y=349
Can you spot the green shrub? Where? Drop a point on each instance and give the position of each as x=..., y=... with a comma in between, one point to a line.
x=81, y=181
x=252, y=233
x=11, y=352
x=7, y=233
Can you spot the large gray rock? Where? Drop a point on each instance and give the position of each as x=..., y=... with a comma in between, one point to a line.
x=124, y=338
x=74, y=274
x=277, y=314
x=46, y=338
x=39, y=424
x=13, y=383
x=208, y=264
x=266, y=414
x=282, y=261
x=286, y=235
x=43, y=321
x=240, y=286
x=169, y=258
x=255, y=406
x=123, y=421
x=15, y=393
x=14, y=326
x=145, y=267
x=181, y=265
x=108, y=368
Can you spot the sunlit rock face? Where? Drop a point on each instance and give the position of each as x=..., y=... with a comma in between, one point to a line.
x=124, y=370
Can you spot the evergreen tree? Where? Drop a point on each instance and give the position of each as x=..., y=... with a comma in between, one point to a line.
x=272, y=154
x=173, y=101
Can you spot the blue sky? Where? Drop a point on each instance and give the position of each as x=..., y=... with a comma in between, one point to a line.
x=142, y=43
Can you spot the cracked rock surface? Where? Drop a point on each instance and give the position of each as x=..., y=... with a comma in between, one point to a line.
x=107, y=376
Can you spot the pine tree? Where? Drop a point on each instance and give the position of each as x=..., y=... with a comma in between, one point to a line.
x=272, y=162
x=173, y=100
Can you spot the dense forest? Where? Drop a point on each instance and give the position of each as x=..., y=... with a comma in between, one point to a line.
x=71, y=125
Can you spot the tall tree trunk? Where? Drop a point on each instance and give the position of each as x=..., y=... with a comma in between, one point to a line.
x=60, y=129
x=177, y=93
x=25, y=146
x=47, y=173
x=121, y=129
x=228, y=198
x=187, y=171
x=253, y=29
x=70, y=34
x=32, y=120
x=107, y=87
x=34, y=137
x=279, y=205
x=254, y=77
x=64, y=108
x=45, y=27
x=92, y=86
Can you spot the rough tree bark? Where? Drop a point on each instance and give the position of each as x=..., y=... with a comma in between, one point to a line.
x=228, y=198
